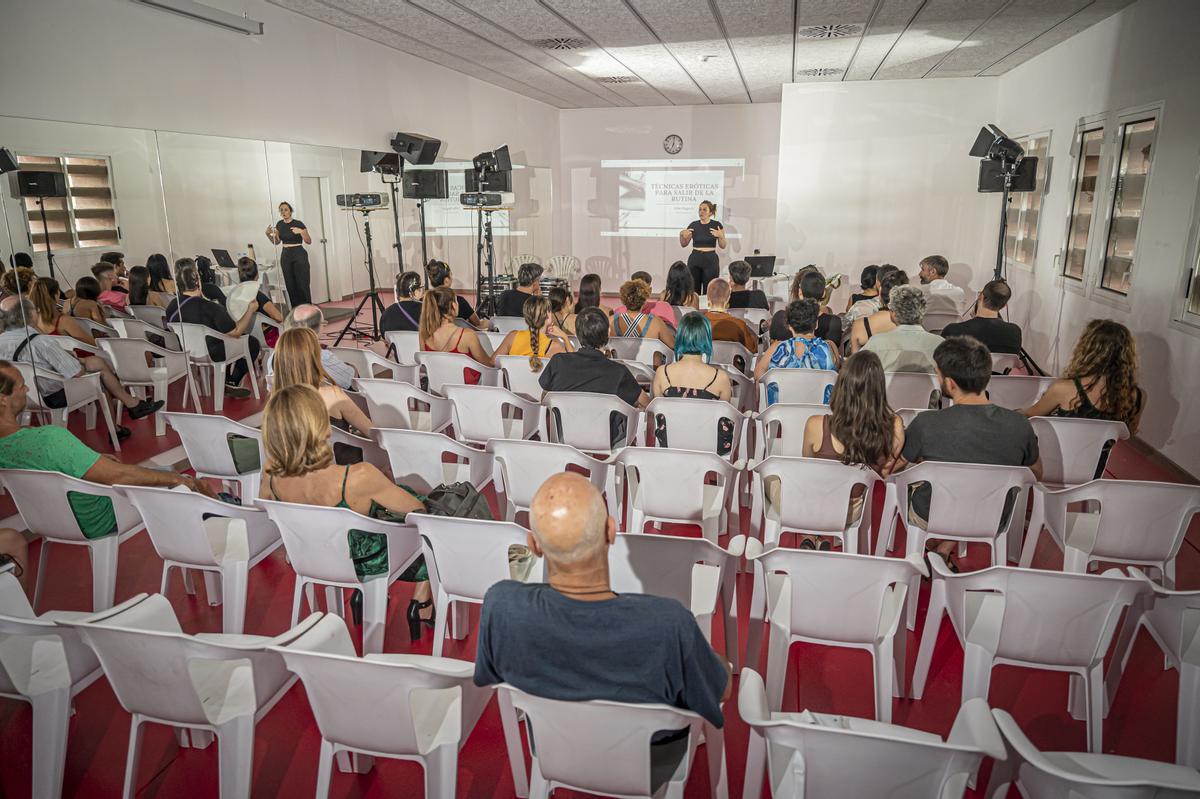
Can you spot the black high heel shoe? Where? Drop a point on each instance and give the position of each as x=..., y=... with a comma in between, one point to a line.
x=414, y=618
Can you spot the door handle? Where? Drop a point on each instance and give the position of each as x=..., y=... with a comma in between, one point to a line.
x=324, y=240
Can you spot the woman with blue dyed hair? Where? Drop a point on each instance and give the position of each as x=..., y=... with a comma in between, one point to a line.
x=691, y=375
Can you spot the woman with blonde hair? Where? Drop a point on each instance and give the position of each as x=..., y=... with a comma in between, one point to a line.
x=635, y=322
x=300, y=469
x=1101, y=380
x=297, y=361
x=543, y=339
x=439, y=333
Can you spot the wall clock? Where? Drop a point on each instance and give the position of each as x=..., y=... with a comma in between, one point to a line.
x=673, y=144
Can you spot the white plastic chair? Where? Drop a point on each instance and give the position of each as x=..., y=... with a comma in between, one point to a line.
x=404, y=707
x=693, y=424
x=490, y=340
x=446, y=368
x=934, y=321
x=1173, y=620
x=1071, y=449
x=1082, y=775
x=565, y=737
x=649, y=351
x=1017, y=391
x=911, y=389
x=820, y=756
x=405, y=344
x=1031, y=618
x=46, y=666
x=95, y=328
x=519, y=378
x=745, y=393
x=520, y=468
x=261, y=320
x=205, y=439
x=580, y=418
x=507, y=324
x=730, y=353
x=1138, y=522
x=565, y=267
x=417, y=459
x=318, y=547
x=150, y=314
x=372, y=453
x=797, y=385
x=836, y=599
x=370, y=364
x=135, y=328
x=194, y=338
x=482, y=413
x=84, y=392
x=1005, y=362
x=42, y=500
x=514, y=262
x=814, y=499
x=780, y=428
x=225, y=546
x=465, y=558
x=201, y=685
x=392, y=403
x=642, y=373
x=671, y=485
x=128, y=358
x=755, y=317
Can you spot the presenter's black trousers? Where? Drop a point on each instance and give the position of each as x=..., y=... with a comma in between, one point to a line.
x=704, y=267
x=294, y=263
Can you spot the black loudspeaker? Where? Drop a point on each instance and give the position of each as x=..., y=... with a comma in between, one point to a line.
x=8, y=161
x=40, y=184
x=383, y=163
x=416, y=148
x=426, y=184
x=492, y=181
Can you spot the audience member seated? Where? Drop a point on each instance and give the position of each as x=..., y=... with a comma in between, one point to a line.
x=139, y=289
x=691, y=376
x=908, y=347
x=861, y=429
x=878, y=320
x=86, y=302
x=405, y=313
x=22, y=341
x=660, y=310
x=106, y=276
x=802, y=351
x=51, y=448
x=867, y=282
x=561, y=306
x=511, y=302
x=1100, y=382
x=439, y=333
x=311, y=318
x=681, y=288
x=590, y=296
x=573, y=638
x=54, y=322
x=987, y=327
x=161, y=279
x=944, y=296
x=198, y=310
x=209, y=286
x=440, y=276
x=117, y=259
x=248, y=273
x=640, y=324
x=726, y=326
x=588, y=368
x=543, y=338
x=297, y=361
x=869, y=305
x=15, y=550
x=300, y=468
x=22, y=274
x=972, y=430
x=810, y=284
x=740, y=296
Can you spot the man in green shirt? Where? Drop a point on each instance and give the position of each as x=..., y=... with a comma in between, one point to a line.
x=55, y=449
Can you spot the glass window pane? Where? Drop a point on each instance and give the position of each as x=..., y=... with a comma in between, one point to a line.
x=1137, y=139
x=1087, y=172
x=1024, y=209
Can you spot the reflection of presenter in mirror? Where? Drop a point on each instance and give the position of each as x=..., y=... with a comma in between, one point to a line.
x=293, y=235
x=705, y=235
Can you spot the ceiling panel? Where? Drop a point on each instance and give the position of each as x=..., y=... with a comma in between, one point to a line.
x=884, y=28
x=692, y=32
x=940, y=26
x=760, y=36
x=1097, y=11
x=1018, y=24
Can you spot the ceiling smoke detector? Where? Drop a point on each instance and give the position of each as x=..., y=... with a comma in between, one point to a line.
x=819, y=72
x=828, y=31
x=560, y=43
x=619, y=79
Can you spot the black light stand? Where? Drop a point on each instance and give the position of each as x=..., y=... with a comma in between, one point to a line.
x=485, y=298
x=392, y=184
x=41, y=201
x=424, y=245
x=372, y=295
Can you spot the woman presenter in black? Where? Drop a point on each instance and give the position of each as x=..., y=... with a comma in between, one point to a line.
x=705, y=235
x=293, y=235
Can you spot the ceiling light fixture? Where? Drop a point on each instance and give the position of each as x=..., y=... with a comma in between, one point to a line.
x=619, y=79
x=819, y=72
x=202, y=13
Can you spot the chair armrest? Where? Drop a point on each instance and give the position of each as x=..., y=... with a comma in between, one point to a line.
x=706, y=585
x=975, y=727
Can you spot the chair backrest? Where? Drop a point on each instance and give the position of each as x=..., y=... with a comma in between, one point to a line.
x=966, y=499
x=524, y=465
x=781, y=427
x=374, y=704
x=178, y=527
x=569, y=734
x=1139, y=520
x=745, y=394
x=486, y=412
x=447, y=368
x=366, y=363
x=406, y=343
x=18, y=666
x=507, y=324
x=418, y=459
x=797, y=385
x=205, y=439
x=732, y=353
x=135, y=328
x=466, y=557
x=519, y=378
x=393, y=403
x=643, y=373
x=1017, y=391
x=1175, y=619
x=150, y=314
x=659, y=565
x=754, y=317
x=491, y=339
x=671, y=483
x=1005, y=362
x=641, y=349
x=372, y=453
x=30, y=377
x=563, y=266
x=910, y=389
x=42, y=500
x=1071, y=448
x=514, y=262
x=814, y=492
x=934, y=321
x=580, y=418
x=128, y=356
x=696, y=424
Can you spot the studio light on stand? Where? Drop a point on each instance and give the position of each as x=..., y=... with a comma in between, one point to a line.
x=492, y=173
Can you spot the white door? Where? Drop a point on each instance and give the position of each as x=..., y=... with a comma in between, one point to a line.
x=312, y=199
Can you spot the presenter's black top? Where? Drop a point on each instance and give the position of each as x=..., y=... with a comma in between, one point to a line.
x=702, y=234
x=286, y=236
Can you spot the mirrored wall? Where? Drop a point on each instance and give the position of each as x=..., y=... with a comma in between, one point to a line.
x=185, y=194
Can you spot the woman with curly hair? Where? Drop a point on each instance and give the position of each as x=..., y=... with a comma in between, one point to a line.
x=1101, y=380
x=635, y=321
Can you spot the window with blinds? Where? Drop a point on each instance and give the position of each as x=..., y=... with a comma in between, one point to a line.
x=1025, y=208
x=86, y=217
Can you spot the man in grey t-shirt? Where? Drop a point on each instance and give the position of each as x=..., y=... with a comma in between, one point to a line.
x=973, y=430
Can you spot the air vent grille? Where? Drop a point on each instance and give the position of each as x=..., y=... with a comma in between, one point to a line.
x=828, y=31
x=560, y=43
x=619, y=79
x=819, y=72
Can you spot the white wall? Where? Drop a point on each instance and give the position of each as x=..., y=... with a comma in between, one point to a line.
x=877, y=172
x=1144, y=54
x=587, y=199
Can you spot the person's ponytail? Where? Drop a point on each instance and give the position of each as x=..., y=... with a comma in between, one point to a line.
x=536, y=311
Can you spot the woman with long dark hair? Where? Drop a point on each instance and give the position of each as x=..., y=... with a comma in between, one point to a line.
x=139, y=289
x=293, y=260
x=589, y=296
x=161, y=279
x=705, y=235
x=681, y=288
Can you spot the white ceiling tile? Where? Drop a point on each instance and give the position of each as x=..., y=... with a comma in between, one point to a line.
x=1085, y=18
x=883, y=31
x=1014, y=27
x=760, y=36
x=690, y=31
x=937, y=30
